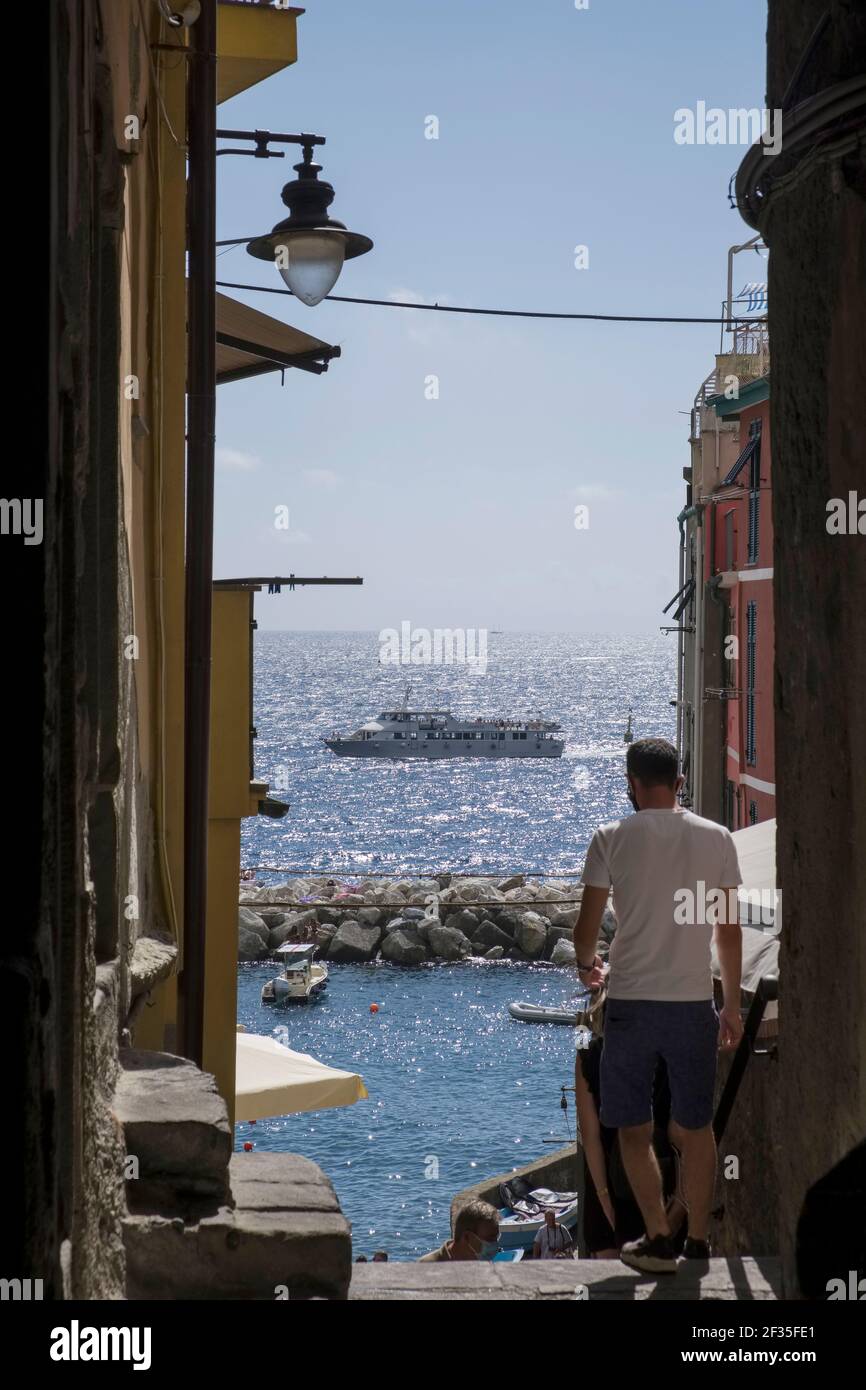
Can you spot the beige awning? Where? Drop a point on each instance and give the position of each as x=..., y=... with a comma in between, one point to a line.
x=272, y=1080
x=253, y=42
x=250, y=343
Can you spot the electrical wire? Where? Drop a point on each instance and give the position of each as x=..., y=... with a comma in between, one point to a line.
x=495, y=313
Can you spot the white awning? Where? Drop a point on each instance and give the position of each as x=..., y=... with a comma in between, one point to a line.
x=756, y=852
x=272, y=1080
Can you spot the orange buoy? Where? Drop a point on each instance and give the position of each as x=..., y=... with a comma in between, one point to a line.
x=374, y=1008
x=248, y=1148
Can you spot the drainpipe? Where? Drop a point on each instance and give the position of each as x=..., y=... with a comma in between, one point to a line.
x=697, y=694
x=201, y=428
x=681, y=636
x=714, y=589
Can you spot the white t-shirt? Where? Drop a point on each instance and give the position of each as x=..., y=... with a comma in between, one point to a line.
x=548, y=1244
x=652, y=859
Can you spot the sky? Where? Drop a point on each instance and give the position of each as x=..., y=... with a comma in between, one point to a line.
x=555, y=131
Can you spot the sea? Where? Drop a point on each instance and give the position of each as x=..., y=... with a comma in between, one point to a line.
x=458, y=1090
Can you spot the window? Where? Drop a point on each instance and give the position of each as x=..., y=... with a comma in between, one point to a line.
x=742, y=459
x=729, y=540
x=730, y=805
x=751, y=643
x=753, y=813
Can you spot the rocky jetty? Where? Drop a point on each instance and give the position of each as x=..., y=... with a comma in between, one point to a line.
x=412, y=921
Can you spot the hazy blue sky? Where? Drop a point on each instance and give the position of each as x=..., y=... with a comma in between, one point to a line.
x=556, y=129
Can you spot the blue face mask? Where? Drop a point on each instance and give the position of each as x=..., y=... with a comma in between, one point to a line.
x=488, y=1249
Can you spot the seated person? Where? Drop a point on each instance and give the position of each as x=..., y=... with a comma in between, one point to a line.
x=553, y=1241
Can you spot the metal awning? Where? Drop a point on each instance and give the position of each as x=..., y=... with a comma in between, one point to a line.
x=250, y=343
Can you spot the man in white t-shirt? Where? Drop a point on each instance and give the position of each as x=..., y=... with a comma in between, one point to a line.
x=553, y=1241
x=674, y=877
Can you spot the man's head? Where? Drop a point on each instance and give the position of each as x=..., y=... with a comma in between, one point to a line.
x=550, y=1220
x=476, y=1230
x=653, y=779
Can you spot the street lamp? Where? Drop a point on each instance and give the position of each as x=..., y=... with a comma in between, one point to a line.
x=309, y=247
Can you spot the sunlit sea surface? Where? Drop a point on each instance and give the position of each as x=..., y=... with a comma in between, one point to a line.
x=458, y=1090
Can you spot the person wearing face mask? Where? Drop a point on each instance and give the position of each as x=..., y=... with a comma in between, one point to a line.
x=476, y=1235
x=662, y=863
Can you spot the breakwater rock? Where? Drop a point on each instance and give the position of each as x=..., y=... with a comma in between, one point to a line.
x=411, y=921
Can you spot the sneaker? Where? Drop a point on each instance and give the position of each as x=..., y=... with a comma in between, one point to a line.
x=654, y=1256
x=696, y=1250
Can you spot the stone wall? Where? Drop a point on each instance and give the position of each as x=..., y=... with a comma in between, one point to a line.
x=816, y=230
x=69, y=979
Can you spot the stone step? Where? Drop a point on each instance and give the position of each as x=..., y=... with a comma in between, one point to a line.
x=284, y=1236
x=175, y=1125
x=544, y=1280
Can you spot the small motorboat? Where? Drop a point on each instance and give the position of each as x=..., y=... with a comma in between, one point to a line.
x=302, y=980
x=544, y=1013
x=522, y=1217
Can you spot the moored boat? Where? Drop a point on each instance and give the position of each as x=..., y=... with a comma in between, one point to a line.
x=520, y=1223
x=302, y=980
x=542, y=1013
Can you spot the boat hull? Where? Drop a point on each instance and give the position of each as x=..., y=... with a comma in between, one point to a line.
x=438, y=750
x=541, y=1013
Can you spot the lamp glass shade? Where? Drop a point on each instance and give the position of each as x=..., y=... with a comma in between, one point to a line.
x=310, y=264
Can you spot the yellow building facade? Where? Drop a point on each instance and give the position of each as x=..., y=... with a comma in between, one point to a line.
x=149, y=60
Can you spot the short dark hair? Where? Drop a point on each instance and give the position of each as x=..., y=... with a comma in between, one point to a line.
x=653, y=762
x=476, y=1213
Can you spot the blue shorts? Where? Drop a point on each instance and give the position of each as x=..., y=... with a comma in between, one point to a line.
x=637, y=1032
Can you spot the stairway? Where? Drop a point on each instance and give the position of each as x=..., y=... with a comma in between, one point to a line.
x=204, y=1223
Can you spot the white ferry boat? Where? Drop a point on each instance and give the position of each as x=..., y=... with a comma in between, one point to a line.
x=437, y=733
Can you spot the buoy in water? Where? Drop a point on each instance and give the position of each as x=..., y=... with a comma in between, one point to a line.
x=374, y=1008
x=248, y=1148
